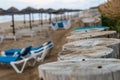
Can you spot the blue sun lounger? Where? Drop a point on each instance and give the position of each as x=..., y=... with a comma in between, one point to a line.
x=65, y=24
x=18, y=57
x=13, y=52
x=46, y=47
x=54, y=25
x=13, y=60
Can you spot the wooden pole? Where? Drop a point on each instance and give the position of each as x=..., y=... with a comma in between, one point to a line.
x=32, y=17
x=30, y=21
x=45, y=17
x=13, y=24
x=41, y=19
x=61, y=17
x=24, y=19
x=50, y=18
x=64, y=16
x=56, y=17
x=68, y=16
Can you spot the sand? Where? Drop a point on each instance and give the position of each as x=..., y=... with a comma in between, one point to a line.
x=31, y=73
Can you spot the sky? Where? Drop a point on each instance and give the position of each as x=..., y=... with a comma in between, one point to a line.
x=55, y=4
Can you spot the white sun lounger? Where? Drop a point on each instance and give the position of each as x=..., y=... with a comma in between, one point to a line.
x=25, y=55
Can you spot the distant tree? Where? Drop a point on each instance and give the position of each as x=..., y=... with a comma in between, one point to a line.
x=111, y=9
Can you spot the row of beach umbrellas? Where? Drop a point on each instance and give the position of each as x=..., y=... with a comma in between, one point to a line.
x=12, y=11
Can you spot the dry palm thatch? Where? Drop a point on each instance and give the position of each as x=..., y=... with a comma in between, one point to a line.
x=111, y=9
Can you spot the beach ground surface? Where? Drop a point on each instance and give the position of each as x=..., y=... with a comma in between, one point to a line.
x=31, y=73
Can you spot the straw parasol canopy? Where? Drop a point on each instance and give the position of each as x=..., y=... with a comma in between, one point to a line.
x=2, y=11
x=29, y=10
x=55, y=12
x=50, y=11
x=68, y=12
x=23, y=12
x=62, y=12
x=41, y=11
x=71, y=10
x=12, y=11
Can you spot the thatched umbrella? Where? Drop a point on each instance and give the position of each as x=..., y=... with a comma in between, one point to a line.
x=23, y=12
x=61, y=11
x=2, y=11
x=68, y=15
x=70, y=11
x=29, y=10
x=65, y=16
x=41, y=11
x=12, y=11
x=65, y=13
x=73, y=10
x=50, y=11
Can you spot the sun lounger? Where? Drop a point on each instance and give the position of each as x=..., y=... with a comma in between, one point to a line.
x=14, y=55
x=13, y=52
x=42, y=49
x=67, y=24
x=49, y=44
x=13, y=60
x=21, y=58
x=61, y=24
x=54, y=26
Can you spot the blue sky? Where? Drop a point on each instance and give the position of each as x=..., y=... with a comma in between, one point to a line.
x=55, y=4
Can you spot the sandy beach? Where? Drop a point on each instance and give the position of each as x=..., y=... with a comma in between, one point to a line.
x=59, y=40
x=45, y=34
